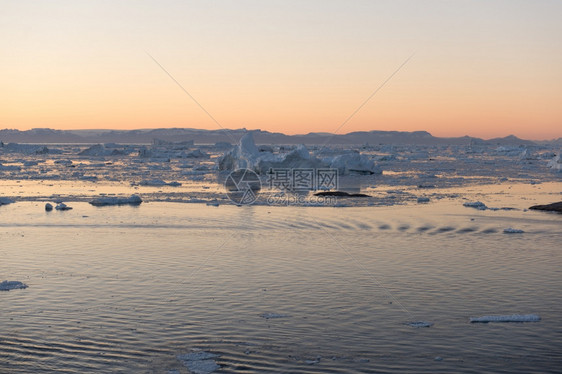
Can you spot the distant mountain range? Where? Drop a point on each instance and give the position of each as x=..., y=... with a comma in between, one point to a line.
x=43, y=135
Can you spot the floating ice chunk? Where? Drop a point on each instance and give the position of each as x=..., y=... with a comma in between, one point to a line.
x=555, y=163
x=103, y=201
x=273, y=315
x=5, y=201
x=354, y=163
x=158, y=183
x=247, y=156
x=510, y=230
x=12, y=285
x=418, y=324
x=48, y=207
x=196, y=154
x=199, y=362
x=507, y=318
x=476, y=204
x=62, y=206
x=202, y=366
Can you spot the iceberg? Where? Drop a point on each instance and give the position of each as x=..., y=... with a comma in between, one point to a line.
x=353, y=163
x=556, y=163
x=507, y=318
x=105, y=201
x=248, y=156
x=12, y=285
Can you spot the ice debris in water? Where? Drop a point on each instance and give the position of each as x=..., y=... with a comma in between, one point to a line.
x=48, y=207
x=420, y=324
x=476, y=204
x=5, y=201
x=199, y=362
x=103, y=201
x=62, y=206
x=556, y=163
x=510, y=230
x=12, y=285
x=507, y=318
x=158, y=183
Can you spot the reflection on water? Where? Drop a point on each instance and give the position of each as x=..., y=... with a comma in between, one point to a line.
x=127, y=289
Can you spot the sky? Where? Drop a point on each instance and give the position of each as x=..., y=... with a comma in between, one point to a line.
x=481, y=68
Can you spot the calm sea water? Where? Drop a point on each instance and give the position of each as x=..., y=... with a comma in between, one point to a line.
x=127, y=289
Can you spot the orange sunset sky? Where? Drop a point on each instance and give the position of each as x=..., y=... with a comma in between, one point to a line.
x=480, y=68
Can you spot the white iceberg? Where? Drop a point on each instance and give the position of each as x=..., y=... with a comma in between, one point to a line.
x=353, y=162
x=247, y=156
x=507, y=318
x=105, y=201
x=12, y=285
x=555, y=163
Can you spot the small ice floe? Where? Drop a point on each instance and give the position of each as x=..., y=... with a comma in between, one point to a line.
x=423, y=199
x=476, y=204
x=438, y=358
x=510, y=230
x=273, y=315
x=418, y=324
x=5, y=201
x=12, y=285
x=199, y=362
x=158, y=183
x=105, y=201
x=313, y=362
x=62, y=206
x=48, y=207
x=507, y=318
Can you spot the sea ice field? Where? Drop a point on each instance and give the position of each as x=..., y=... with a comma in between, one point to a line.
x=441, y=268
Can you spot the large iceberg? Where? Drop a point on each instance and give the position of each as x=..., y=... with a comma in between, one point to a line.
x=248, y=156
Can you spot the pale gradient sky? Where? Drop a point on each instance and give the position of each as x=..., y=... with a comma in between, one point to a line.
x=481, y=68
